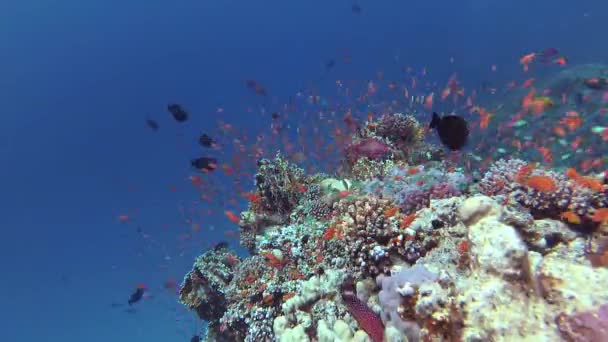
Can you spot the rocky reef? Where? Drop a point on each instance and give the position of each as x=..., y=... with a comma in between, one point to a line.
x=400, y=246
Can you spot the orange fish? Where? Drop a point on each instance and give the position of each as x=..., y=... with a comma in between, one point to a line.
x=525, y=60
x=560, y=61
x=390, y=212
x=428, y=101
x=572, y=120
x=408, y=220
x=485, y=121
x=251, y=197
x=528, y=83
x=546, y=153
x=600, y=215
x=571, y=173
x=559, y=130
x=571, y=217
x=231, y=216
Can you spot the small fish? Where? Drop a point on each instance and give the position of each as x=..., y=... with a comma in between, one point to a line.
x=222, y=245
x=356, y=9
x=231, y=216
x=453, y=130
x=152, y=124
x=206, y=141
x=204, y=163
x=545, y=57
x=138, y=294
x=179, y=114
x=256, y=87
x=579, y=99
x=196, y=338
x=526, y=60
x=596, y=83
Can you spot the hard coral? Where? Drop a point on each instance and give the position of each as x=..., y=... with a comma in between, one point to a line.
x=404, y=131
x=203, y=288
x=547, y=194
x=279, y=185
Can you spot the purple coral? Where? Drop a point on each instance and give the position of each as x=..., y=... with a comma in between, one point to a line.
x=413, y=188
x=394, y=289
x=587, y=326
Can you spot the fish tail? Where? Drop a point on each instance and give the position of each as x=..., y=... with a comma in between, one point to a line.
x=434, y=121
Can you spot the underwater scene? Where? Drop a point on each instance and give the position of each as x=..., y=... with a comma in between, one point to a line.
x=321, y=171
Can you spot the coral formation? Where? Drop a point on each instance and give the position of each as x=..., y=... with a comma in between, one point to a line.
x=402, y=251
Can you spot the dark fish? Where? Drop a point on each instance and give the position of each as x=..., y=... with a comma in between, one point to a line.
x=256, y=87
x=178, y=112
x=220, y=246
x=550, y=52
x=137, y=295
x=452, y=129
x=547, y=54
x=579, y=99
x=275, y=115
x=356, y=9
x=152, y=124
x=196, y=338
x=330, y=64
x=206, y=141
x=204, y=163
x=596, y=83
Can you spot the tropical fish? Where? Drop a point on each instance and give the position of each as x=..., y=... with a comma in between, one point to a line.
x=206, y=141
x=179, y=114
x=152, y=124
x=204, y=163
x=137, y=295
x=453, y=130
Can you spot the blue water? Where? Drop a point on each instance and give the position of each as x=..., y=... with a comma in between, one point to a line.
x=79, y=78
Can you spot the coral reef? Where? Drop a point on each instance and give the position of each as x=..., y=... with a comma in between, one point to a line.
x=397, y=251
